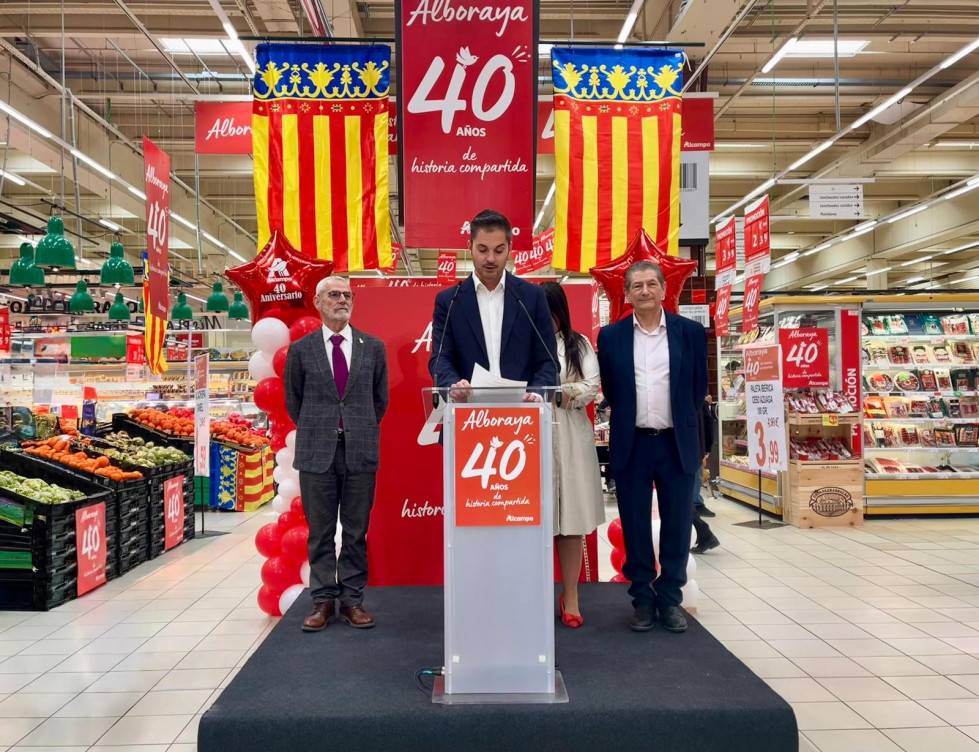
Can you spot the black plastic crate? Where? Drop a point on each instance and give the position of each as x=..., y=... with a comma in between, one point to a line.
x=122, y=422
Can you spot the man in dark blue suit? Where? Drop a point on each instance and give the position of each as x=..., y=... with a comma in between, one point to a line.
x=654, y=376
x=490, y=318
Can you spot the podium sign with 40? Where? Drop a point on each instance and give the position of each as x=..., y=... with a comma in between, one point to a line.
x=173, y=511
x=90, y=545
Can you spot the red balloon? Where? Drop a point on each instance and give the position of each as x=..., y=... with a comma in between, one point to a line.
x=615, y=536
x=617, y=557
x=277, y=441
x=268, y=601
x=611, y=275
x=268, y=540
x=279, y=572
x=283, y=276
x=302, y=327
x=296, y=505
x=270, y=395
x=286, y=520
x=295, y=544
x=279, y=361
x=619, y=578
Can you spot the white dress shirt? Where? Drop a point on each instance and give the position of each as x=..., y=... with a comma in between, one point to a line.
x=346, y=347
x=651, y=351
x=490, y=304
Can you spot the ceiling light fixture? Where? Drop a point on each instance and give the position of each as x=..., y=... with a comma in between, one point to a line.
x=779, y=54
x=111, y=225
x=15, y=179
x=847, y=281
x=95, y=165
x=965, y=247
x=878, y=271
x=907, y=213
x=948, y=62
x=918, y=260
x=818, y=150
x=791, y=257
x=827, y=48
x=547, y=200
x=630, y=21
x=913, y=280
x=185, y=222
x=894, y=98
x=4, y=107
x=136, y=192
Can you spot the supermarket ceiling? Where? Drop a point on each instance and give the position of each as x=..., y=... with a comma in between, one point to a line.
x=127, y=73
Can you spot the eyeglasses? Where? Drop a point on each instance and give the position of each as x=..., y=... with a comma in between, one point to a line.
x=336, y=295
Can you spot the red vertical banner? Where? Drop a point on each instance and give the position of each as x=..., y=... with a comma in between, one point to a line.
x=5, y=329
x=545, y=125
x=392, y=128
x=446, y=272
x=850, y=364
x=173, y=511
x=156, y=167
x=752, y=297
x=90, y=545
x=722, y=311
x=725, y=253
x=468, y=89
x=757, y=240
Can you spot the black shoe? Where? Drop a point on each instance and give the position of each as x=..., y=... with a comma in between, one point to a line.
x=705, y=512
x=672, y=619
x=705, y=546
x=643, y=619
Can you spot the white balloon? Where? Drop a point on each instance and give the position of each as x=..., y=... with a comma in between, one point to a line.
x=291, y=440
x=281, y=473
x=269, y=335
x=284, y=457
x=304, y=573
x=690, y=593
x=279, y=504
x=691, y=567
x=289, y=596
x=289, y=488
x=260, y=366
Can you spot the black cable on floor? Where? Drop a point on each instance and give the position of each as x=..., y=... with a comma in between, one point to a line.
x=435, y=671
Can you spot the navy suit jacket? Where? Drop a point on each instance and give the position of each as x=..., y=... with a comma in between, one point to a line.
x=523, y=357
x=688, y=386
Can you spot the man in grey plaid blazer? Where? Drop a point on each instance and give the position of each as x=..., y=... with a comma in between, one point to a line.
x=336, y=382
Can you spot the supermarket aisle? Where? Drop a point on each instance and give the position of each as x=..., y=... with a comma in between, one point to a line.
x=871, y=634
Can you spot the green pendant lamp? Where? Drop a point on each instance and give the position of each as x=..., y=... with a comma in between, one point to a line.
x=182, y=311
x=54, y=250
x=81, y=301
x=141, y=304
x=119, y=311
x=217, y=301
x=23, y=271
x=116, y=270
x=239, y=309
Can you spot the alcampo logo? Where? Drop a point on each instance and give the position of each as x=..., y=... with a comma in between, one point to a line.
x=279, y=270
x=831, y=501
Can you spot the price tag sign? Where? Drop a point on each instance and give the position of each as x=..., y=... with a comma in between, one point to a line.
x=135, y=357
x=725, y=242
x=90, y=545
x=764, y=408
x=202, y=415
x=757, y=240
x=752, y=299
x=805, y=354
x=831, y=419
x=497, y=466
x=173, y=512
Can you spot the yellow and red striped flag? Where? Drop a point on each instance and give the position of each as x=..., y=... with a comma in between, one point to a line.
x=155, y=331
x=616, y=150
x=320, y=136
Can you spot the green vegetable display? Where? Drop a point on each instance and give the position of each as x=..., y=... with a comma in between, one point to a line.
x=36, y=489
x=139, y=452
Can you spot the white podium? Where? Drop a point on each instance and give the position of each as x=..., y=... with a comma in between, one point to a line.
x=499, y=557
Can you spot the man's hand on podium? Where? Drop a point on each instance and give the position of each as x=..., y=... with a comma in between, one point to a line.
x=532, y=397
x=461, y=390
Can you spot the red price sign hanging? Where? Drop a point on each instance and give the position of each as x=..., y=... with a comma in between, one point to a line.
x=4, y=329
x=725, y=245
x=90, y=545
x=469, y=89
x=156, y=167
x=721, y=311
x=757, y=241
x=752, y=298
x=497, y=466
x=446, y=272
x=173, y=512
x=805, y=358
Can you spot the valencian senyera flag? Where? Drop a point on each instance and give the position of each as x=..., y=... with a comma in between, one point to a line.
x=320, y=133
x=616, y=150
x=155, y=331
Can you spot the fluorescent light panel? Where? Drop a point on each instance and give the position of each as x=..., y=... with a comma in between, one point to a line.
x=825, y=47
x=893, y=99
x=111, y=225
x=918, y=260
x=907, y=213
x=189, y=45
x=15, y=179
x=971, y=47
x=913, y=280
x=4, y=107
x=779, y=54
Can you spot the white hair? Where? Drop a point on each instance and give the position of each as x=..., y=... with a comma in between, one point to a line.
x=324, y=283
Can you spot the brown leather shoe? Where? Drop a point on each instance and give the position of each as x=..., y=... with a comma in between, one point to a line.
x=323, y=614
x=356, y=617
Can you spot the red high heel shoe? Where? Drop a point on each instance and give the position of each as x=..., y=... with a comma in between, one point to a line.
x=569, y=620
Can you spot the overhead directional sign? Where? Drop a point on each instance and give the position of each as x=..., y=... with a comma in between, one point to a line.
x=836, y=200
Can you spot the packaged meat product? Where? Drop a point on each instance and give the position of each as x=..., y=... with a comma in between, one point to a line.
x=974, y=322
x=864, y=329
x=936, y=408
x=876, y=325
x=907, y=381
x=962, y=353
x=918, y=408
x=944, y=437
x=896, y=407
x=975, y=351
x=930, y=324
x=888, y=466
x=962, y=380
x=879, y=381
x=944, y=379
x=895, y=324
x=868, y=435
x=873, y=407
x=878, y=355
x=942, y=354
x=967, y=435
x=969, y=407
x=921, y=355
x=953, y=407
x=892, y=437
x=955, y=323
x=865, y=356
x=899, y=355
x=909, y=435
x=929, y=383
x=927, y=437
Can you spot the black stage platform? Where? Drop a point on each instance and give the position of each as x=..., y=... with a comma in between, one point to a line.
x=352, y=690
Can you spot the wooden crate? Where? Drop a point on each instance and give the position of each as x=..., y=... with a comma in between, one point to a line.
x=824, y=494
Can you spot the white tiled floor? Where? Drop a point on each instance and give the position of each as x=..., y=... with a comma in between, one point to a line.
x=872, y=635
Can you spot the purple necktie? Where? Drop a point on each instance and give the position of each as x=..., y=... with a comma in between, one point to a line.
x=339, y=365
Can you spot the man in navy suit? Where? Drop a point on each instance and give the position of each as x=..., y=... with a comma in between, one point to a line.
x=490, y=318
x=654, y=376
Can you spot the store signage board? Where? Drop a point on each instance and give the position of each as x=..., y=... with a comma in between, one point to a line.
x=223, y=127
x=90, y=545
x=698, y=313
x=467, y=94
x=545, y=125
x=135, y=357
x=497, y=466
x=446, y=270
x=725, y=251
x=722, y=310
x=539, y=257
x=752, y=299
x=694, y=196
x=156, y=169
x=757, y=239
x=4, y=329
x=851, y=362
x=836, y=200
x=698, y=123
x=764, y=408
x=173, y=512
x=805, y=354
x=202, y=415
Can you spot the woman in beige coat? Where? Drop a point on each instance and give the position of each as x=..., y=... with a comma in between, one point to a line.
x=578, y=504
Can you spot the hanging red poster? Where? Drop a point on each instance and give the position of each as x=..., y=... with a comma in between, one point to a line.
x=173, y=511
x=90, y=545
x=5, y=329
x=805, y=358
x=725, y=252
x=156, y=169
x=223, y=127
x=392, y=128
x=722, y=310
x=757, y=241
x=538, y=257
x=545, y=125
x=752, y=297
x=467, y=97
x=851, y=355
x=446, y=272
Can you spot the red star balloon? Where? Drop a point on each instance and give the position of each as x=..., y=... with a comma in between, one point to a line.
x=280, y=281
x=611, y=276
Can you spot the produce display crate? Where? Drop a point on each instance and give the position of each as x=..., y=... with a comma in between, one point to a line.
x=241, y=480
x=122, y=422
x=38, y=566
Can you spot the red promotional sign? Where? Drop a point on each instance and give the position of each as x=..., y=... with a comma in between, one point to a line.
x=757, y=241
x=752, y=297
x=446, y=272
x=90, y=545
x=725, y=252
x=722, y=311
x=545, y=125
x=805, y=358
x=135, y=350
x=539, y=257
x=497, y=466
x=156, y=169
x=223, y=127
x=173, y=511
x=850, y=363
x=5, y=329
x=468, y=91
x=392, y=128
x=698, y=124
